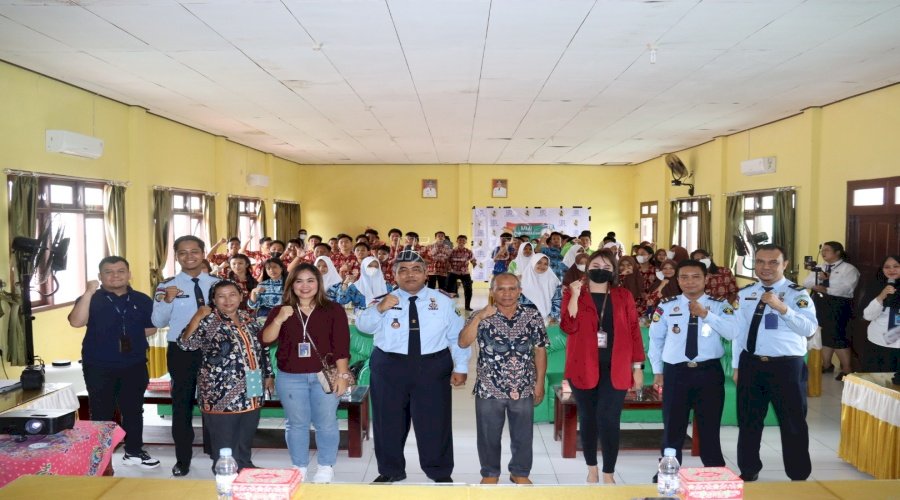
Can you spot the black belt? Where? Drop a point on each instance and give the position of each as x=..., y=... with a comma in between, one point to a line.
x=767, y=359
x=697, y=364
x=404, y=356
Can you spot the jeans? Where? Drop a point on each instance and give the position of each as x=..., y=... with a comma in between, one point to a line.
x=490, y=415
x=109, y=388
x=304, y=400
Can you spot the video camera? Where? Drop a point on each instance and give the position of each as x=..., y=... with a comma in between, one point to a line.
x=810, y=264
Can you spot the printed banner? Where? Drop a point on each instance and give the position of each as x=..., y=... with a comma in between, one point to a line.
x=489, y=223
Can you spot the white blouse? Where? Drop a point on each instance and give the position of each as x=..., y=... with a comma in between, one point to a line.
x=878, y=315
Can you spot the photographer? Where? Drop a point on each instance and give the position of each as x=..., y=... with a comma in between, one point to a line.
x=833, y=285
x=883, y=313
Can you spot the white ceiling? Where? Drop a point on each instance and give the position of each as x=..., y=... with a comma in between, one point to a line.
x=462, y=81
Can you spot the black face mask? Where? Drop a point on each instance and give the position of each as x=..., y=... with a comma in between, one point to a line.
x=600, y=275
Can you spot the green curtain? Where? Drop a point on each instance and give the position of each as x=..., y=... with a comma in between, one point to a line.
x=261, y=218
x=734, y=223
x=209, y=217
x=784, y=228
x=674, y=211
x=232, y=217
x=704, y=226
x=287, y=220
x=114, y=218
x=162, y=214
x=22, y=222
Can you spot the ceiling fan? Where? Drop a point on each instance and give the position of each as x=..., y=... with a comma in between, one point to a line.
x=679, y=172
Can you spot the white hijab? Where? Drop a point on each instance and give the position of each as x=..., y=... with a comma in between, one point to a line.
x=539, y=288
x=571, y=255
x=370, y=286
x=522, y=260
x=332, y=276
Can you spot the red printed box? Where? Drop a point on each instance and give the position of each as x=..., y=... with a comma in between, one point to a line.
x=705, y=483
x=266, y=484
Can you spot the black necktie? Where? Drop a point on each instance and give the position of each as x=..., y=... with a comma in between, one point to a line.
x=827, y=281
x=415, y=341
x=754, y=325
x=198, y=293
x=690, y=349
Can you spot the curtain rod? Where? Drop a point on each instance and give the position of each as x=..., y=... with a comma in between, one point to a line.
x=287, y=202
x=698, y=197
x=189, y=191
x=248, y=198
x=770, y=190
x=110, y=182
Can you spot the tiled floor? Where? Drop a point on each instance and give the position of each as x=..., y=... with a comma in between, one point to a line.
x=549, y=467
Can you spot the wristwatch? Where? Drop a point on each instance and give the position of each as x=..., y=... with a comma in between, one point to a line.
x=345, y=376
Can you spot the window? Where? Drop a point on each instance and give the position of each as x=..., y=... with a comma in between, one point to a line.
x=868, y=197
x=649, y=211
x=759, y=217
x=688, y=223
x=187, y=219
x=248, y=222
x=74, y=209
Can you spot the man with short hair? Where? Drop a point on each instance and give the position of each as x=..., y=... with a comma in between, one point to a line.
x=311, y=243
x=415, y=361
x=175, y=302
x=438, y=255
x=344, y=260
x=685, y=353
x=460, y=258
x=114, y=352
x=221, y=259
x=776, y=318
x=512, y=362
x=503, y=254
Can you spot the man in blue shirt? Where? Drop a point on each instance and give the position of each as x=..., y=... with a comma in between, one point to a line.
x=415, y=361
x=776, y=318
x=685, y=353
x=174, y=304
x=114, y=352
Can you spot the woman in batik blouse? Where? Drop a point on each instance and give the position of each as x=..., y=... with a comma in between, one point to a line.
x=234, y=373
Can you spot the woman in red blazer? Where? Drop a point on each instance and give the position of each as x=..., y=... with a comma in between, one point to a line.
x=603, y=357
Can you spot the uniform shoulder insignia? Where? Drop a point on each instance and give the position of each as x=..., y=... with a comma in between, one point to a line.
x=748, y=285
x=795, y=286
x=717, y=299
x=668, y=299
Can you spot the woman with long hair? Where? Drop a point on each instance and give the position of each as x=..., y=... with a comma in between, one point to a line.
x=882, y=311
x=604, y=356
x=239, y=272
x=310, y=330
x=268, y=292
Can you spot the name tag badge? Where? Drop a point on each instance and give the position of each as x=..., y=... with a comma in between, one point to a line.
x=602, y=339
x=771, y=321
x=303, y=350
x=705, y=331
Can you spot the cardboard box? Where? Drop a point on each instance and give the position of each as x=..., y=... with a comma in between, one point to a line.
x=705, y=483
x=266, y=484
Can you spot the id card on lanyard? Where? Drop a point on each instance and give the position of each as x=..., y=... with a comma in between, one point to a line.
x=303, y=348
x=124, y=340
x=602, y=336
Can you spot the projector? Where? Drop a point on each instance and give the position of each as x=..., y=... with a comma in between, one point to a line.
x=36, y=422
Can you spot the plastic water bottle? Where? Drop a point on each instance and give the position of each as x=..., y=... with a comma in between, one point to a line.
x=668, y=483
x=226, y=472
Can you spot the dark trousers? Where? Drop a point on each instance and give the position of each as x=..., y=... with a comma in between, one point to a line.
x=782, y=382
x=231, y=430
x=834, y=314
x=599, y=412
x=122, y=388
x=878, y=358
x=490, y=416
x=183, y=367
x=703, y=390
x=406, y=391
x=453, y=286
x=437, y=282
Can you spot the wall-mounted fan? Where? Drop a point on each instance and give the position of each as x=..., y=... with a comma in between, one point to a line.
x=679, y=172
x=754, y=239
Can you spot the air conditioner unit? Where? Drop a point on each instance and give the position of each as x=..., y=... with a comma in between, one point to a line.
x=70, y=143
x=257, y=180
x=758, y=166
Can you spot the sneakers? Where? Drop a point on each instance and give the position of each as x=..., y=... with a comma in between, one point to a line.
x=324, y=474
x=143, y=459
x=303, y=478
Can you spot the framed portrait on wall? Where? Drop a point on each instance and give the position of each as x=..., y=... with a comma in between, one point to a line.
x=499, y=188
x=429, y=188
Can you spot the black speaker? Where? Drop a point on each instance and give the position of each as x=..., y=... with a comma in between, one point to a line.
x=33, y=377
x=36, y=422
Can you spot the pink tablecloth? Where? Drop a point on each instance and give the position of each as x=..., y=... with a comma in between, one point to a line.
x=83, y=451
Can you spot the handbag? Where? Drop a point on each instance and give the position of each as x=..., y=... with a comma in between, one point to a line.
x=328, y=375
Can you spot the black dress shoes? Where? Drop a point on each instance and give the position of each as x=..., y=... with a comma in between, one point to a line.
x=447, y=479
x=388, y=479
x=749, y=478
x=180, y=469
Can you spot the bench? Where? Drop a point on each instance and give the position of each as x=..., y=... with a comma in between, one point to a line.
x=356, y=406
x=565, y=423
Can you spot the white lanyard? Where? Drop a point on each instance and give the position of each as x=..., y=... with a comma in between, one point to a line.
x=304, y=322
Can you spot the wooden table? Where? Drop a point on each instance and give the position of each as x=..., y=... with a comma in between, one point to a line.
x=565, y=421
x=357, y=406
